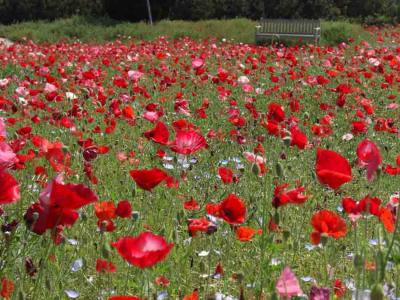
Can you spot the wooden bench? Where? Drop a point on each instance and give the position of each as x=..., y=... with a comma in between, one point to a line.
x=279, y=29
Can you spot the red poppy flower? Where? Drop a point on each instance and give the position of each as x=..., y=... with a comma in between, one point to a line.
x=328, y=223
x=387, y=218
x=369, y=155
x=7, y=287
x=245, y=233
x=70, y=195
x=212, y=209
x=104, y=210
x=148, y=179
x=124, y=209
x=294, y=196
x=106, y=225
x=105, y=266
x=353, y=208
x=219, y=270
x=344, y=88
x=298, y=138
x=275, y=112
x=373, y=204
x=188, y=142
x=272, y=127
x=191, y=205
x=339, y=289
x=57, y=205
x=128, y=112
x=9, y=188
x=172, y=182
x=198, y=225
x=193, y=296
x=332, y=169
x=159, y=134
x=162, y=281
x=226, y=175
x=232, y=209
x=143, y=251
x=392, y=170
x=359, y=127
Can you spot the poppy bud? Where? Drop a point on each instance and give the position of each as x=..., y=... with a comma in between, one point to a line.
x=135, y=215
x=274, y=296
x=377, y=292
x=211, y=229
x=255, y=169
x=380, y=261
x=179, y=217
x=175, y=236
x=358, y=261
x=296, y=246
x=279, y=170
x=324, y=239
x=134, y=191
x=103, y=226
x=83, y=216
x=106, y=250
x=90, y=153
x=21, y=295
x=306, y=115
x=30, y=268
x=7, y=235
x=35, y=216
x=47, y=283
x=286, y=234
x=276, y=217
x=378, y=173
x=202, y=267
x=239, y=277
x=287, y=140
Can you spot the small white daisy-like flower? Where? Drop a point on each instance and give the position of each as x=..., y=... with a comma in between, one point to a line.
x=204, y=253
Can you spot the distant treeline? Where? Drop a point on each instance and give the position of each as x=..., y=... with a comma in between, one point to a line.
x=369, y=11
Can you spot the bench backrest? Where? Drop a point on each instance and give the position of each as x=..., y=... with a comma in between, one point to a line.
x=300, y=26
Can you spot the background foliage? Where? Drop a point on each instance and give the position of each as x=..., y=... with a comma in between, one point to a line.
x=368, y=11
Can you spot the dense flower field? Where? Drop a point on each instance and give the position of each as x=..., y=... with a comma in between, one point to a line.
x=200, y=170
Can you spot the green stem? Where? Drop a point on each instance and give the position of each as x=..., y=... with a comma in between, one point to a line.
x=263, y=239
x=394, y=237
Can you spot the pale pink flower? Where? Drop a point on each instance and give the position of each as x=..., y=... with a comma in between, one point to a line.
x=135, y=75
x=197, y=63
x=288, y=285
x=7, y=156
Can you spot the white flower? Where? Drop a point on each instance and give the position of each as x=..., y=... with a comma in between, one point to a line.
x=70, y=96
x=204, y=253
x=347, y=137
x=243, y=80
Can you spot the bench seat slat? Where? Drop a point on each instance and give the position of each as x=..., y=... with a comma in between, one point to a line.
x=303, y=28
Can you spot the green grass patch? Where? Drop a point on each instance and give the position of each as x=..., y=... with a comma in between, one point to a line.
x=102, y=30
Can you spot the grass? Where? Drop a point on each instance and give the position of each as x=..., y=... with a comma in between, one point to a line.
x=104, y=29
